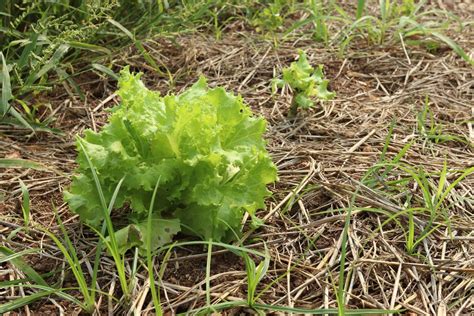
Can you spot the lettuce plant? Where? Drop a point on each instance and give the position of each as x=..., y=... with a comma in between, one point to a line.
x=203, y=146
x=305, y=82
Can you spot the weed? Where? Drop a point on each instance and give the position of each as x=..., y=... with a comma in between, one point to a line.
x=111, y=242
x=318, y=13
x=154, y=293
x=407, y=21
x=255, y=274
x=430, y=130
x=431, y=203
x=14, y=163
x=37, y=282
x=270, y=19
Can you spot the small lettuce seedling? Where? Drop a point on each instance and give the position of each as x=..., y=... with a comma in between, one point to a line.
x=305, y=82
x=205, y=147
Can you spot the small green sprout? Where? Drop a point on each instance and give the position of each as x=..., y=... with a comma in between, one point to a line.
x=269, y=19
x=305, y=82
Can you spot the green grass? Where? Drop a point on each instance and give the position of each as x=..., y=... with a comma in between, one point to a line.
x=388, y=23
x=34, y=281
x=431, y=131
x=69, y=251
x=149, y=258
x=42, y=45
x=110, y=242
x=427, y=204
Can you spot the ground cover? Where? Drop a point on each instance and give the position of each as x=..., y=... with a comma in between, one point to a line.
x=374, y=204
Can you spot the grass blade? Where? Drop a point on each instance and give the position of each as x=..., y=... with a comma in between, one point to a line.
x=46, y=291
x=387, y=141
x=11, y=255
x=411, y=233
x=25, y=207
x=89, y=47
x=73, y=263
x=27, y=51
x=141, y=49
x=106, y=71
x=454, y=46
x=53, y=62
x=20, y=163
x=63, y=75
x=102, y=238
x=20, y=118
x=122, y=28
x=442, y=181
x=340, y=295
x=208, y=274
x=23, y=301
x=6, y=86
x=7, y=96
x=466, y=173
x=360, y=8
x=154, y=293
x=112, y=245
x=22, y=265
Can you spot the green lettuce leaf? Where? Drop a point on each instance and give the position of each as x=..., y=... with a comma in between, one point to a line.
x=205, y=147
x=305, y=81
x=134, y=235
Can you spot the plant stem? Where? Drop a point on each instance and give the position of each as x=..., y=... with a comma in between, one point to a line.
x=293, y=108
